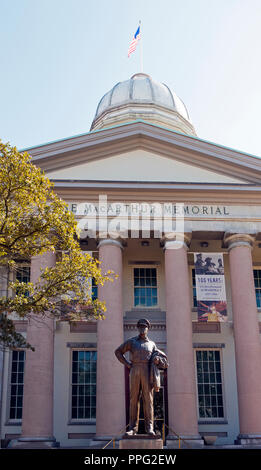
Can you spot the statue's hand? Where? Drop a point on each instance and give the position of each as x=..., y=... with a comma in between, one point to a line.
x=156, y=360
x=129, y=365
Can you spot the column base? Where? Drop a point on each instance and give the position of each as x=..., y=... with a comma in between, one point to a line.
x=185, y=442
x=141, y=441
x=33, y=443
x=248, y=440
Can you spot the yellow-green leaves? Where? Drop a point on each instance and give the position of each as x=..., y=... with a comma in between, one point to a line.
x=34, y=220
x=32, y=217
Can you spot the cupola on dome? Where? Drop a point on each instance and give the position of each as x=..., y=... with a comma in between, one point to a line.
x=142, y=98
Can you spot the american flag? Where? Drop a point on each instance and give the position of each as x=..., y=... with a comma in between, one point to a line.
x=134, y=42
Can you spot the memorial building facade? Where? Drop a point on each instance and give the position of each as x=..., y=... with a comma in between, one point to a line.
x=149, y=196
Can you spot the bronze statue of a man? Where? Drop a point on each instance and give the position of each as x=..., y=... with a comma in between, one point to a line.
x=145, y=361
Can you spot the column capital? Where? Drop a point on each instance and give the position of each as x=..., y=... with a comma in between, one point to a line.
x=110, y=241
x=176, y=240
x=233, y=240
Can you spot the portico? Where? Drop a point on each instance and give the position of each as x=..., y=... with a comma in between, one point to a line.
x=181, y=333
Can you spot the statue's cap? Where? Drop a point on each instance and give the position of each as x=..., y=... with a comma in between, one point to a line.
x=143, y=321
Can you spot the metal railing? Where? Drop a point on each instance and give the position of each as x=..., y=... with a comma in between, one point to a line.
x=180, y=439
x=115, y=437
x=176, y=434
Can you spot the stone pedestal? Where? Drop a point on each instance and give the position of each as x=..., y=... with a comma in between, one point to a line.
x=141, y=441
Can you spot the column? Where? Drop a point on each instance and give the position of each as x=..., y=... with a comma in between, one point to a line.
x=247, y=337
x=37, y=421
x=182, y=403
x=110, y=397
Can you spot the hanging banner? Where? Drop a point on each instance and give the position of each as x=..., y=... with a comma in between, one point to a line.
x=210, y=287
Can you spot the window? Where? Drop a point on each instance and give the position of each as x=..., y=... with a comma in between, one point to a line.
x=94, y=290
x=84, y=384
x=145, y=287
x=17, y=385
x=209, y=381
x=257, y=281
x=194, y=290
x=23, y=275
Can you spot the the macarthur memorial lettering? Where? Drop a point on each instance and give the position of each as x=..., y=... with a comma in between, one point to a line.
x=147, y=209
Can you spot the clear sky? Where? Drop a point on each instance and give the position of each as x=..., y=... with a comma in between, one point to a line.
x=59, y=57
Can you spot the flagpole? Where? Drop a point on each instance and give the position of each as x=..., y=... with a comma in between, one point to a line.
x=141, y=55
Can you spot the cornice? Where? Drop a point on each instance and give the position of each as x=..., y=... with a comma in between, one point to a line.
x=161, y=185
x=120, y=139
x=187, y=193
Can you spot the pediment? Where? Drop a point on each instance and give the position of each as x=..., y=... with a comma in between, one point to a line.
x=140, y=151
x=140, y=165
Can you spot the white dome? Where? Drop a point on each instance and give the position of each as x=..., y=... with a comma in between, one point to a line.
x=141, y=97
